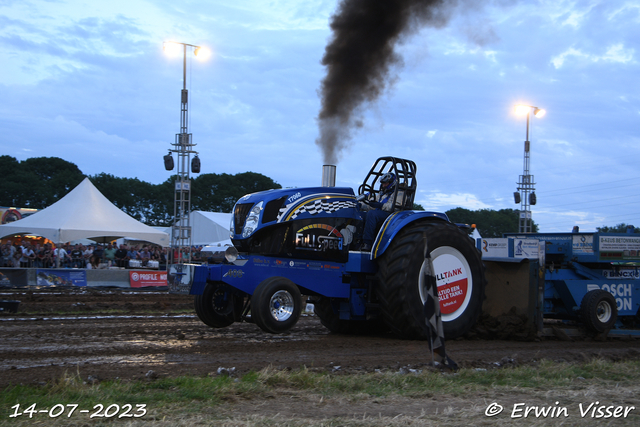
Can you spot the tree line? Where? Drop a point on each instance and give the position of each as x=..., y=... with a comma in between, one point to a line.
x=41, y=181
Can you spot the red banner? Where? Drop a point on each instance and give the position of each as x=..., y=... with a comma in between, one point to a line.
x=142, y=279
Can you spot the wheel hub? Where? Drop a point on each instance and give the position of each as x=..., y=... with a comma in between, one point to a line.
x=281, y=305
x=603, y=311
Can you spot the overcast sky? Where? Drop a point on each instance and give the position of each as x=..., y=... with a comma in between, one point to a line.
x=87, y=81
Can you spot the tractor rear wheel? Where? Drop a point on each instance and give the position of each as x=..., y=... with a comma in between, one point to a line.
x=599, y=310
x=276, y=305
x=459, y=275
x=217, y=307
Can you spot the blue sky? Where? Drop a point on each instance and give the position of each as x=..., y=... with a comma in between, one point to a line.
x=88, y=82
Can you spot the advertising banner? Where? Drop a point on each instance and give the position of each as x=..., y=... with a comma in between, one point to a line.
x=583, y=244
x=143, y=279
x=619, y=248
x=61, y=277
x=525, y=248
x=9, y=215
x=13, y=277
x=495, y=247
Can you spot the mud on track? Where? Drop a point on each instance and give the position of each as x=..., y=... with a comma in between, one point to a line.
x=107, y=334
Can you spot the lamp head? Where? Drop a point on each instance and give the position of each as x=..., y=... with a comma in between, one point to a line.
x=172, y=49
x=202, y=53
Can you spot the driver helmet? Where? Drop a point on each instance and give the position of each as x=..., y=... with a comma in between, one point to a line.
x=387, y=183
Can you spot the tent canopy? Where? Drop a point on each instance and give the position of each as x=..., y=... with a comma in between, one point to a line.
x=210, y=227
x=84, y=213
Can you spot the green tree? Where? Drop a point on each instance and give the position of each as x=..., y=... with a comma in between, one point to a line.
x=620, y=228
x=11, y=191
x=219, y=192
x=37, y=182
x=490, y=223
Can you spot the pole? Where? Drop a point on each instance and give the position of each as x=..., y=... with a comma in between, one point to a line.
x=526, y=185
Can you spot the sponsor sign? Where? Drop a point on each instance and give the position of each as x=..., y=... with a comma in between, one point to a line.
x=143, y=279
x=525, y=248
x=621, y=274
x=318, y=238
x=452, y=281
x=495, y=248
x=622, y=292
x=583, y=244
x=9, y=215
x=619, y=247
x=13, y=277
x=46, y=277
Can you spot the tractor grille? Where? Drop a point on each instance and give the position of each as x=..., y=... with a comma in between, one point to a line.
x=240, y=215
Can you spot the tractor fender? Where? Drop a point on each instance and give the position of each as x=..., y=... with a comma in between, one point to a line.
x=396, y=222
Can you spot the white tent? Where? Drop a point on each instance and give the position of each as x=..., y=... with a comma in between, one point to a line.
x=210, y=227
x=84, y=213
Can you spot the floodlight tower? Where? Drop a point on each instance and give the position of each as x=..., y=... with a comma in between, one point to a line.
x=526, y=195
x=184, y=147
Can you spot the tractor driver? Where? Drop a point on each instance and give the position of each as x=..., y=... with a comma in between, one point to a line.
x=374, y=212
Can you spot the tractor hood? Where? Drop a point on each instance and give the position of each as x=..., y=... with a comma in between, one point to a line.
x=256, y=211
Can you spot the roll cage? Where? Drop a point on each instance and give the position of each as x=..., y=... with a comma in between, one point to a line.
x=405, y=172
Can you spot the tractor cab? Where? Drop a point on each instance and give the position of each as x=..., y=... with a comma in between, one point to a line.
x=405, y=189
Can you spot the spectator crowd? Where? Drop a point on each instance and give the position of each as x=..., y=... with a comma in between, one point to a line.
x=27, y=255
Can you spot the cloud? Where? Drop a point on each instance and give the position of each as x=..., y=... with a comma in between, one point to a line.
x=616, y=53
x=444, y=201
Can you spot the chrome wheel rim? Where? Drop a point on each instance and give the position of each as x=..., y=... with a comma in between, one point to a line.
x=281, y=306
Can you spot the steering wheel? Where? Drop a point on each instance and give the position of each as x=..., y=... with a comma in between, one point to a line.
x=363, y=190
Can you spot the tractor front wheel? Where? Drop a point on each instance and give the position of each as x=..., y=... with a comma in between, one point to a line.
x=217, y=306
x=276, y=305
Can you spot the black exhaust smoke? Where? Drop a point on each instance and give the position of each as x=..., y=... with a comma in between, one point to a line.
x=360, y=58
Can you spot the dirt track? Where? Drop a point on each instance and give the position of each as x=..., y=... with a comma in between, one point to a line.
x=103, y=335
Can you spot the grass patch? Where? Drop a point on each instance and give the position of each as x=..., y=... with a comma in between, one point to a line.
x=303, y=396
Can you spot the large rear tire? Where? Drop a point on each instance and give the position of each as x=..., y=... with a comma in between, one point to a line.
x=217, y=307
x=459, y=275
x=276, y=305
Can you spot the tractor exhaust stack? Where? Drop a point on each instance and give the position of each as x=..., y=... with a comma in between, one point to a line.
x=328, y=175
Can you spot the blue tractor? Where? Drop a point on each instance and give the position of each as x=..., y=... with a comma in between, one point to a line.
x=308, y=241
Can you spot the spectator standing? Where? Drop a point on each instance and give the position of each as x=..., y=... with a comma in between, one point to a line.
x=8, y=250
x=121, y=256
x=28, y=256
x=47, y=256
x=133, y=253
x=99, y=252
x=86, y=254
x=144, y=255
x=110, y=254
x=77, y=260
x=61, y=257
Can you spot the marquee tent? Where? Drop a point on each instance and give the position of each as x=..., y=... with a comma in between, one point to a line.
x=208, y=228
x=84, y=213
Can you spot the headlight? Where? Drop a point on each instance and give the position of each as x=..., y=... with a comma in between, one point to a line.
x=231, y=254
x=251, y=223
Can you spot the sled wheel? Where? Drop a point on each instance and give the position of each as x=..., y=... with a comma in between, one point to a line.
x=459, y=274
x=331, y=320
x=276, y=304
x=599, y=310
x=217, y=306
